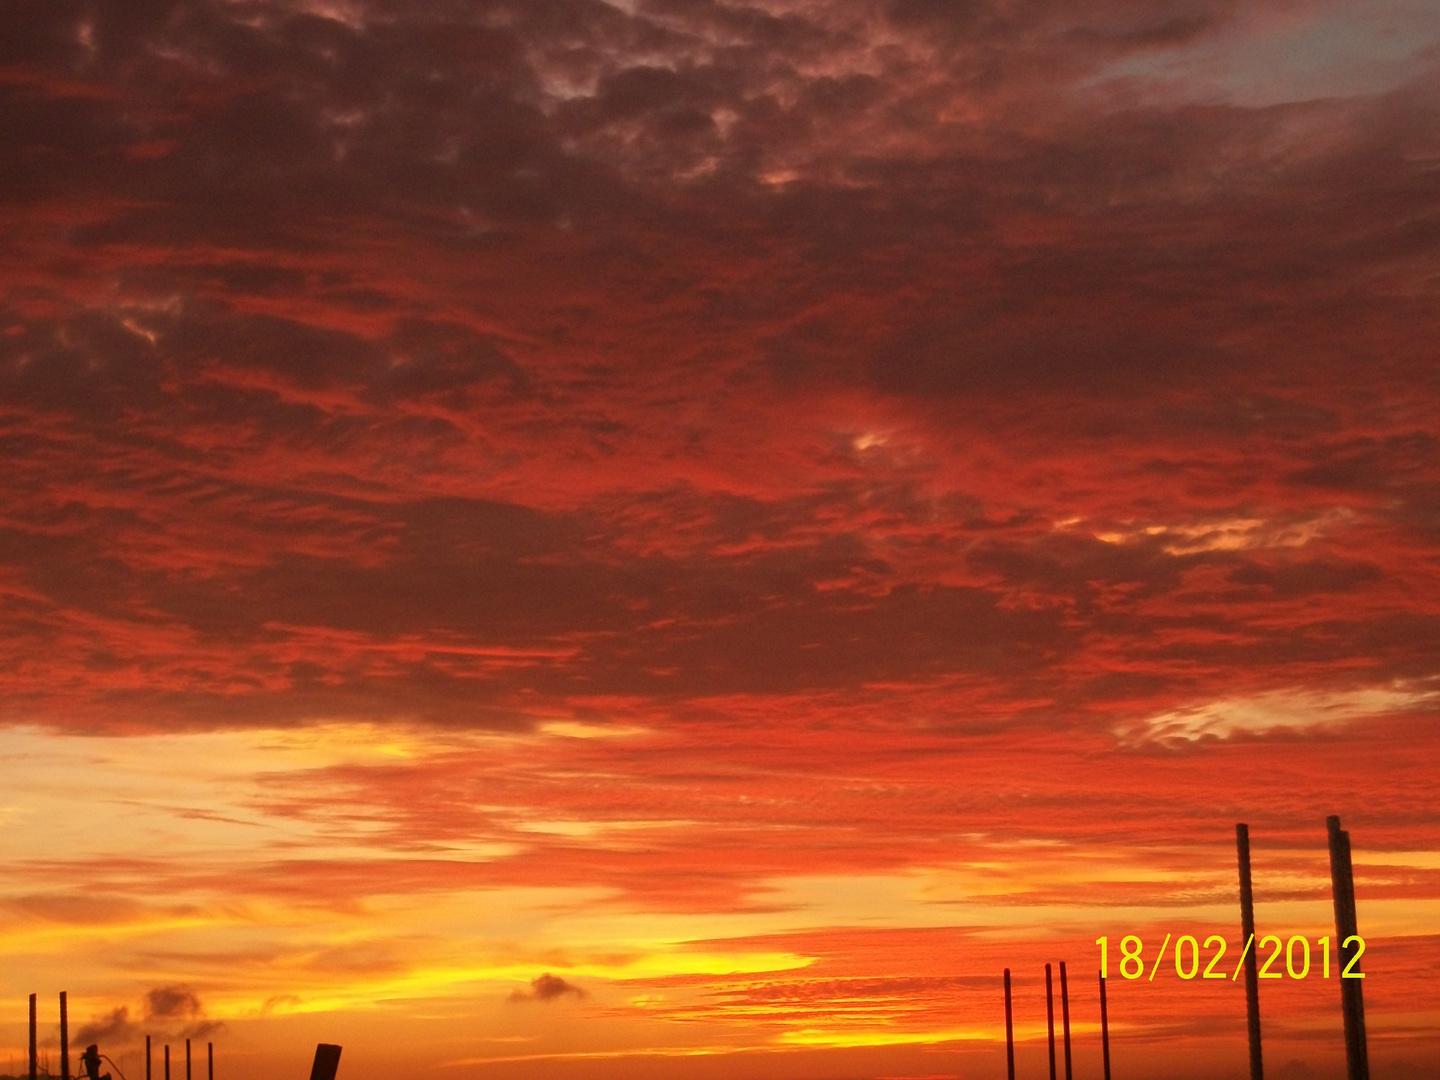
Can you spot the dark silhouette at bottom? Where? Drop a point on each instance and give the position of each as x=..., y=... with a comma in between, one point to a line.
x=1104, y=1026
x=327, y=1060
x=90, y=1062
x=1009, y=1031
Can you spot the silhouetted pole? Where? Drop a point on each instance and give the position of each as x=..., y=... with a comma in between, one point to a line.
x=64, y=1037
x=1050, y=1019
x=210, y=1061
x=187, y=1059
x=167, y=1061
x=1104, y=1027
x=147, y=1057
x=34, y=1061
x=1352, y=1002
x=1009, y=1033
x=1248, y=942
x=1065, y=1017
x=327, y=1060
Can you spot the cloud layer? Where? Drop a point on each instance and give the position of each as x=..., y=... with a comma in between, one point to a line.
x=450, y=363
x=765, y=464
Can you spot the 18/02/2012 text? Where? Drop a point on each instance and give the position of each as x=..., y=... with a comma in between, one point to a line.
x=1188, y=955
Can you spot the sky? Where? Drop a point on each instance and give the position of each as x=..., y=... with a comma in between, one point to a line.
x=681, y=538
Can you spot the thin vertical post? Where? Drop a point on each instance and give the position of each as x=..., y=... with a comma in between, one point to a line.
x=1065, y=1018
x=1009, y=1031
x=187, y=1059
x=1050, y=1019
x=1249, y=944
x=1352, y=1002
x=64, y=1036
x=147, y=1057
x=34, y=1059
x=1104, y=1027
x=167, y=1061
x=209, y=1061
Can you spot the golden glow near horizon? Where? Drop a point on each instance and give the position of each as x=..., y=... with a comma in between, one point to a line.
x=252, y=868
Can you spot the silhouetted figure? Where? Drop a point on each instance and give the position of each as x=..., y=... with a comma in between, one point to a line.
x=90, y=1059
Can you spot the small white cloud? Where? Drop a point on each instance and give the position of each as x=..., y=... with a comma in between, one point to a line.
x=1276, y=710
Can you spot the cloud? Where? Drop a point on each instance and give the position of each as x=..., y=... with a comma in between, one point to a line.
x=1288, y=710
x=547, y=987
x=164, y=1006
x=172, y=1003
x=322, y=478
x=117, y=1027
x=921, y=427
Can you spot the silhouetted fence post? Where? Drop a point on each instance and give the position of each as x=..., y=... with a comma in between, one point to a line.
x=34, y=1059
x=209, y=1061
x=64, y=1036
x=1352, y=1002
x=167, y=1061
x=1050, y=1019
x=1248, y=942
x=147, y=1057
x=1009, y=1033
x=187, y=1059
x=1104, y=1027
x=1065, y=1017
x=327, y=1060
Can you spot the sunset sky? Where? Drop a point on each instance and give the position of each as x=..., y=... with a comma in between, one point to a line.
x=665, y=539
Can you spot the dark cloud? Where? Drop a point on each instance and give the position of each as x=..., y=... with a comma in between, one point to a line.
x=172, y=1003
x=547, y=987
x=175, y=1009
x=109, y=1030
x=440, y=361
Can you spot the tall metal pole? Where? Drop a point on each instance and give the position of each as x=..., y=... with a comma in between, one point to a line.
x=147, y=1057
x=187, y=1059
x=167, y=1061
x=1009, y=1032
x=210, y=1061
x=1065, y=1017
x=1352, y=1002
x=64, y=1037
x=1251, y=947
x=34, y=1061
x=1104, y=1027
x=1050, y=1019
